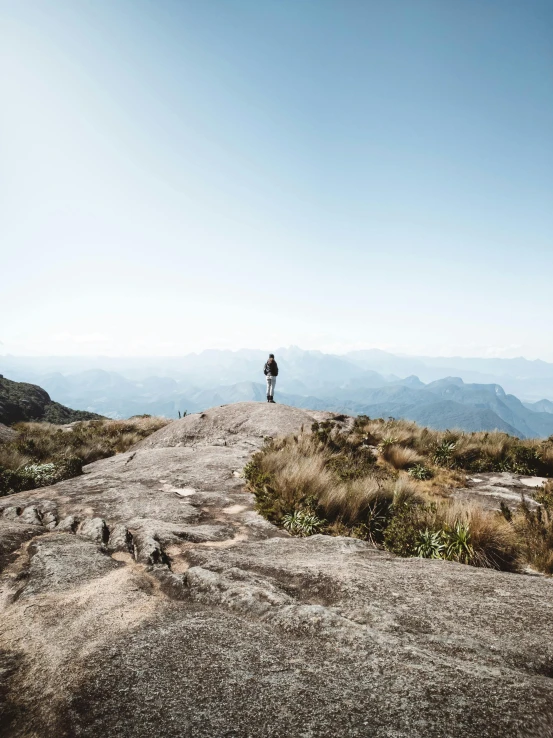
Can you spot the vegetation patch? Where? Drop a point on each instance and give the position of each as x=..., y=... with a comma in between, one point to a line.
x=388, y=482
x=42, y=454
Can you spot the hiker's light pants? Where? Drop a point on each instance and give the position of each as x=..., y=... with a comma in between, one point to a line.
x=271, y=381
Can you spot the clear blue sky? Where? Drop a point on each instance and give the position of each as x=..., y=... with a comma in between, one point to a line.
x=248, y=173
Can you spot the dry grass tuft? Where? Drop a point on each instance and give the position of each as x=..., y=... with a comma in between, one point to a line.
x=535, y=529
x=493, y=539
x=349, y=503
x=401, y=457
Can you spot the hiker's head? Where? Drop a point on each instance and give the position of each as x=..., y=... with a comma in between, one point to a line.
x=271, y=358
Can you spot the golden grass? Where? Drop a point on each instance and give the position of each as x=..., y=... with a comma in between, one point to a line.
x=535, y=529
x=298, y=476
x=401, y=457
x=87, y=440
x=11, y=458
x=481, y=451
x=349, y=502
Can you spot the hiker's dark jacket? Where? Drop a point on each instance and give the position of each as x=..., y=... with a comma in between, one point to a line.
x=271, y=369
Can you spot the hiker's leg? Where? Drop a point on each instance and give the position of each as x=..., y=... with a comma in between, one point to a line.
x=269, y=387
x=273, y=382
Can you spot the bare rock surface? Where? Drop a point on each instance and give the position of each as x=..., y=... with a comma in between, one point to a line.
x=161, y=603
x=230, y=425
x=491, y=489
x=6, y=433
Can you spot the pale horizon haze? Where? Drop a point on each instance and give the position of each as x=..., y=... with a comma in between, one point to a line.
x=177, y=176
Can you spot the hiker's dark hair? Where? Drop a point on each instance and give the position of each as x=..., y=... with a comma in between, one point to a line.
x=271, y=356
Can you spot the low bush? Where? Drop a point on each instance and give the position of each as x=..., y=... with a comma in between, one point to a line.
x=32, y=476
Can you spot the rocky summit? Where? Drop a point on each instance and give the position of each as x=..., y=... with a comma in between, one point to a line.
x=148, y=598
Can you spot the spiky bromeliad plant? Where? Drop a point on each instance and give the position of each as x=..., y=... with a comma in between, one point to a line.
x=443, y=453
x=302, y=523
x=452, y=544
x=388, y=441
x=430, y=544
x=458, y=545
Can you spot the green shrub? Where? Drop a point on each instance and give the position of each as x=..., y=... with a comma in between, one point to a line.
x=421, y=472
x=260, y=483
x=402, y=535
x=409, y=518
x=10, y=482
x=360, y=421
x=349, y=466
x=33, y=476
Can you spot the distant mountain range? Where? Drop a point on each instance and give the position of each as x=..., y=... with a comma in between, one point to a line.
x=472, y=394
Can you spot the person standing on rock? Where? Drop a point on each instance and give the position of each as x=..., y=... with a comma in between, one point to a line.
x=271, y=372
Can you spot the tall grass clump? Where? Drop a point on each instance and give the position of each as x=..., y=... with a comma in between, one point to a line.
x=535, y=528
x=401, y=457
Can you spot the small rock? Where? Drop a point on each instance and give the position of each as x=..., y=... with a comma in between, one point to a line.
x=185, y=491
x=120, y=539
x=11, y=513
x=49, y=520
x=68, y=524
x=147, y=550
x=30, y=515
x=94, y=529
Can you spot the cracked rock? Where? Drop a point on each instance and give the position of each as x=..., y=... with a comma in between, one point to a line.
x=94, y=529
x=68, y=524
x=49, y=520
x=147, y=549
x=120, y=538
x=30, y=515
x=11, y=513
x=206, y=533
